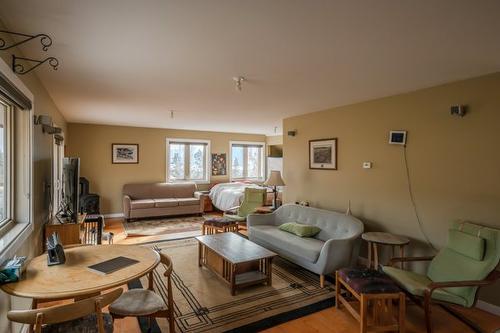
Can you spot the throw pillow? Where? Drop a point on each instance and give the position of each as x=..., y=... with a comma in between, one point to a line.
x=301, y=230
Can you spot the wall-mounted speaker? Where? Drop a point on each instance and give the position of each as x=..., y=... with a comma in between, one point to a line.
x=458, y=110
x=292, y=133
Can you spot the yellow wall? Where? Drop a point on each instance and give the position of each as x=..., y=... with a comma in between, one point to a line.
x=454, y=162
x=92, y=143
x=42, y=174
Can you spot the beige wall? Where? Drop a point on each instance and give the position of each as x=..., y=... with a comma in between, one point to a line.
x=42, y=157
x=454, y=162
x=92, y=143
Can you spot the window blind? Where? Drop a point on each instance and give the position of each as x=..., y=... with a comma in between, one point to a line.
x=243, y=145
x=13, y=95
x=188, y=143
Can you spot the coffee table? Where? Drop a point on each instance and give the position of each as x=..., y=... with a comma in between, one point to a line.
x=236, y=260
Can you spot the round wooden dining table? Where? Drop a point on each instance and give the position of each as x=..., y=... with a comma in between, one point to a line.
x=74, y=279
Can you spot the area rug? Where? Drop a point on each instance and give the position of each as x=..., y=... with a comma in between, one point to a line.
x=163, y=226
x=203, y=302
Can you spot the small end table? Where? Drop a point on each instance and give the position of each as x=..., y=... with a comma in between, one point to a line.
x=264, y=210
x=383, y=238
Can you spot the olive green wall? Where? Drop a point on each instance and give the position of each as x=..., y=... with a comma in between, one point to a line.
x=92, y=143
x=454, y=162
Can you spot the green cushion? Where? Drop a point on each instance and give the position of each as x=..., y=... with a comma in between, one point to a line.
x=302, y=230
x=466, y=244
x=416, y=283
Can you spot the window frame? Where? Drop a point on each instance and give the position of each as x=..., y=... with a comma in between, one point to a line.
x=206, y=179
x=20, y=226
x=245, y=166
x=9, y=170
x=57, y=173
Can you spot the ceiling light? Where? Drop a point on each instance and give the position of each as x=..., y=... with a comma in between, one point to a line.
x=239, y=80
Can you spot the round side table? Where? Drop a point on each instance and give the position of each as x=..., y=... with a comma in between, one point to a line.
x=383, y=238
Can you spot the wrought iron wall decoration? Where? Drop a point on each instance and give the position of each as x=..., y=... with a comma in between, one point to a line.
x=19, y=68
x=20, y=64
x=45, y=40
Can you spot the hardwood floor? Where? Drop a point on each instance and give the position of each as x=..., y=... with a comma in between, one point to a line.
x=330, y=320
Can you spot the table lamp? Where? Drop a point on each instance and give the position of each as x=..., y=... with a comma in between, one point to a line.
x=274, y=180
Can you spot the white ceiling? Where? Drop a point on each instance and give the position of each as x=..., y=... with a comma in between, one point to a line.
x=130, y=62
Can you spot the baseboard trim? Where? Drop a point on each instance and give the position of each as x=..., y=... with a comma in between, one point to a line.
x=488, y=307
x=113, y=215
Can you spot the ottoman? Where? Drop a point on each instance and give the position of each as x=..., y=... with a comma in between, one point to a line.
x=214, y=225
x=378, y=304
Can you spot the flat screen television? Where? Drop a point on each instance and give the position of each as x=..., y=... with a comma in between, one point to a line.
x=71, y=188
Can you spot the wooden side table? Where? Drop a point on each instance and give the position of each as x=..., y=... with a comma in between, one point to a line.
x=383, y=238
x=263, y=210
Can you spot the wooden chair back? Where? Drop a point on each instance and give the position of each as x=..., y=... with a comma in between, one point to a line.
x=165, y=259
x=62, y=313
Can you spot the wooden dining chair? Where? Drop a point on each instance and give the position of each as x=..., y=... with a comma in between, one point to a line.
x=145, y=302
x=82, y=316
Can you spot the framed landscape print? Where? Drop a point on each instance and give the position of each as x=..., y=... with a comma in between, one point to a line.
x=125, y=153
x=219, y=164
x=323, y=154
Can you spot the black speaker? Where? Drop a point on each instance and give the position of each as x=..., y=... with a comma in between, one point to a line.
x=458, y=110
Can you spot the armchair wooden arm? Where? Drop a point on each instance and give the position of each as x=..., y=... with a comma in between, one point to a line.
x=490, y=279
x=396, y=260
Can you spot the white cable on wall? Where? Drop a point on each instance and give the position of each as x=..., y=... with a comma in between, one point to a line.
x=412, y=199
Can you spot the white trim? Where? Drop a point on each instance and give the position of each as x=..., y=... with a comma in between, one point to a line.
x=208, y=167
x=263, y=160
x=113, y=215
x=488, y=307
x=23, y=229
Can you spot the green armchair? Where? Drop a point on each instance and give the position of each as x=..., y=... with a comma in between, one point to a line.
x=253, y=198
x=454, y=275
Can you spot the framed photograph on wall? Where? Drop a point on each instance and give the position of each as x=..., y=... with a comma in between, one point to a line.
x=125, y=153
x=323, y=154
x=219, y=164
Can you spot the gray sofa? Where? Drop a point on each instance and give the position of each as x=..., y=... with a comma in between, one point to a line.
x=335, y=246
x=160, y=199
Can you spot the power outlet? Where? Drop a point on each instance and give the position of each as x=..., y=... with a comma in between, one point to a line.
x=367, y=165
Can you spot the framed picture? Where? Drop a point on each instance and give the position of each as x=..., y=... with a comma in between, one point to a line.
x=219, y=164
x=125, y=153
x=323, y=154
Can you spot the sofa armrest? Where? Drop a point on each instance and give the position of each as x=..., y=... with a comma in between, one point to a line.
x=260, y=219
x=126, y=206
x=336, y=253
x=199, y=194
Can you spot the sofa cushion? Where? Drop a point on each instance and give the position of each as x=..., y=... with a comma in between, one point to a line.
x=161, y=203
x=141, y=204
x=188, y=201
x=304, y=248
x=301, y=230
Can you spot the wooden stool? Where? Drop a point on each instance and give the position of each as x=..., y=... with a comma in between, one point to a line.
x=216, y=225
x=383, y=238
x=379, y=304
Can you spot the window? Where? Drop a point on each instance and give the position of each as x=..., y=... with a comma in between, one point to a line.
x=188, y=160
x=247, y=160
x=5, y=129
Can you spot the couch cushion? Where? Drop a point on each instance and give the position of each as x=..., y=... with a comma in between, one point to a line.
x=304, y=248
x=188, y=201
x=301, y=230
x=416, y=284
x=161, y=203
x=141, y=204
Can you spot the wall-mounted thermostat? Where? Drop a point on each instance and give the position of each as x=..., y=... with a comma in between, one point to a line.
x=397, y=137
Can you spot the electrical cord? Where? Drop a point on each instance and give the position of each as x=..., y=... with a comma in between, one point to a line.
x=412, y=199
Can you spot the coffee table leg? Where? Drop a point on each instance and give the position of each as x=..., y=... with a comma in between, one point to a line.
x=269, y=271
x=233, y=282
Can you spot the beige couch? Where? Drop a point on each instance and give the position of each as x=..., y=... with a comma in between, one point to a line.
x=160, y=199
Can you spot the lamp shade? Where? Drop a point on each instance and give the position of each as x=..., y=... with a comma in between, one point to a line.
x=274, y=179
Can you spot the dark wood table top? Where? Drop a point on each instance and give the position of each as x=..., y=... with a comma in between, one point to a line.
x=234, y=248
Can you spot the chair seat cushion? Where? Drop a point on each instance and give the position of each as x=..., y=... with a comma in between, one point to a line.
x=368, y=281
x=161, y=203
x=234, y=217
x=137, y=302
x=142, y=204
x=188, y=201
x=416, y=283
x=303, y=248
x=87, y=324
